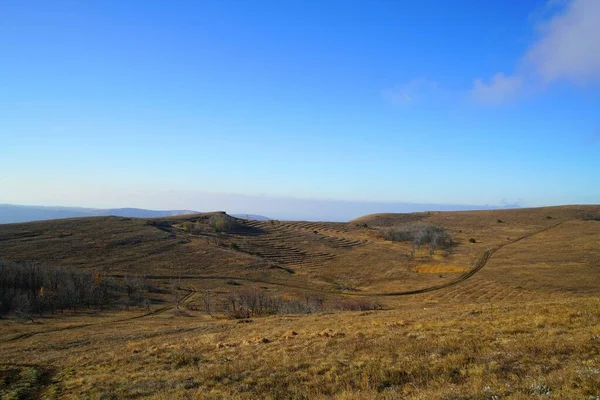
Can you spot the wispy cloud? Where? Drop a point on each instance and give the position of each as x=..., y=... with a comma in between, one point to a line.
x=413, y=92
x=500, y=89
x=567, y=49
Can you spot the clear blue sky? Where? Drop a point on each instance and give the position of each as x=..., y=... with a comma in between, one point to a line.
x=462, y=102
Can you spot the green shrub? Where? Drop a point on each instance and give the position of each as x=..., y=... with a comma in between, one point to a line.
x=223, y=223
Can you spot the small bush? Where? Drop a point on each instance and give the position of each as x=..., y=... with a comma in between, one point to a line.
x=499, y=221
x=472, y=240
x=184, y=359
x=356, y=305
x=248, y=304
x=591, y=217
x=187, y=226
x=343, y=285
x=234, y=246
x=433, y=236
x=223, y=223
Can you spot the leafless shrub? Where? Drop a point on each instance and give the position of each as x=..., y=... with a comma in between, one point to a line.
x=432, y=236
x=223, y=223
x=356, y=305
x=257, y=303
x=591, y=217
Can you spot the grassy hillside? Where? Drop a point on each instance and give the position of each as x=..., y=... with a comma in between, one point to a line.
x=509, y=309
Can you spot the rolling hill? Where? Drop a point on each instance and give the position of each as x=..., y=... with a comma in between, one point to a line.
x=509, y=308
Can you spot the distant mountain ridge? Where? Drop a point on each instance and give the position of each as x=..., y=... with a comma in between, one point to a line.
x=11, y=213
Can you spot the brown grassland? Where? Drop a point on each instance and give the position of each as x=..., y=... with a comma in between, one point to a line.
x=510, y=311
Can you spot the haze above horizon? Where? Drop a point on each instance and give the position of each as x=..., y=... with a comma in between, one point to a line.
x=163, y=105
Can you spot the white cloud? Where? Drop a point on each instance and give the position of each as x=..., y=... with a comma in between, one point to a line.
x=569, y=46
x=500, y=89
x=568, y=49
x=413, y=92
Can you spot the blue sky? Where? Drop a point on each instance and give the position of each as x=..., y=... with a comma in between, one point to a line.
x=155, y=103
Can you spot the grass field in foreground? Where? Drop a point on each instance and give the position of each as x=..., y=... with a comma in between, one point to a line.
x=549, y=349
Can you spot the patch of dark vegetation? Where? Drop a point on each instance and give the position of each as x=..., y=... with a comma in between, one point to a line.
x=591, y=217
x=247, y=304
x=356, y=305
x=418, y=235
x=31, y=289
x=162, y=225
x=472, y=240
x=21, y=382
x=254, y=303
x=130, y=241
x=184, y=359
x=285, y=269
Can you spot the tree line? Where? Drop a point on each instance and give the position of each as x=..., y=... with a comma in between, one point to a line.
x=28, y=289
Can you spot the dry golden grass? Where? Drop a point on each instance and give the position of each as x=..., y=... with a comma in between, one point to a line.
x=526, y=325
x=441, y=351
x=440, y=269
